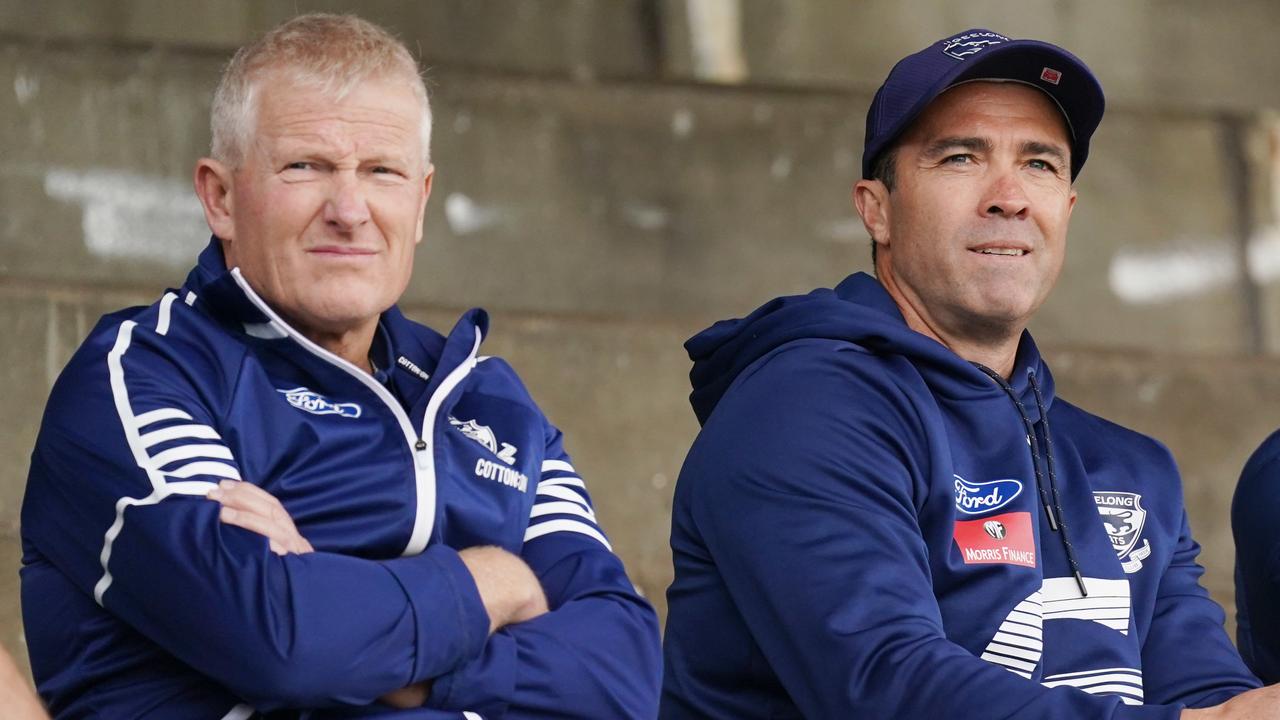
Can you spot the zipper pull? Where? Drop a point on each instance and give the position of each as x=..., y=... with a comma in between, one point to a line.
x=420, y=454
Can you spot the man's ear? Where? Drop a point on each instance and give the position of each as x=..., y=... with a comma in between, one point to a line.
x=426, y=194
x=871, y=198
x=213, y=186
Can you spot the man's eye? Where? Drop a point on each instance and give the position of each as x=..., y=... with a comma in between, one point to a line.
x=961, y=159
x=299, y=165
x=1039, y=164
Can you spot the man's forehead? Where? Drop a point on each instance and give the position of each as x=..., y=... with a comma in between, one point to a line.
x=380, y=110
x=976, y=105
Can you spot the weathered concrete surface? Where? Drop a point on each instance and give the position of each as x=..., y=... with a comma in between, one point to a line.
x=1159, y=53
x=634, y=200
x=615, y=200
x=565, y=37
x=11, y=636
x=612, y=201
x=1155, y=53
x=1151, y=257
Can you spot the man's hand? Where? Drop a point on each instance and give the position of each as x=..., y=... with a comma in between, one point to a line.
x=411, y=697
x=248, y=506
x=1259, y=704
x=510, y=591
x=16, y=697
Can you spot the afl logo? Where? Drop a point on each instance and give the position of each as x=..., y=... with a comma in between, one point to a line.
x=994, y=528
x=974, y=498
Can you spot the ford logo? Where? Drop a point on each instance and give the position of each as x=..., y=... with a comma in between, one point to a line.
x=317, y=404
x=975, y=498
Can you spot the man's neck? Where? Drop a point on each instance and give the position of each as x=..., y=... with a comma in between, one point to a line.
x=354, y=346
x=997, y=349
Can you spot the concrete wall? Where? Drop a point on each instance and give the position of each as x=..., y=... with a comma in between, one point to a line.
x=616, y=174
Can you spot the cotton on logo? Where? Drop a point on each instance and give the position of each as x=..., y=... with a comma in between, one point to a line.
x=1051, y=76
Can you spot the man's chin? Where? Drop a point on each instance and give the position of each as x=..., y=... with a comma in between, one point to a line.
x=997, y=322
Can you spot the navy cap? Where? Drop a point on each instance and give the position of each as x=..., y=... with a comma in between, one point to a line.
x=977, y=55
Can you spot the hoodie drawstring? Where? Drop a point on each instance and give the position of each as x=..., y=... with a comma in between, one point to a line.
x=1056, y=519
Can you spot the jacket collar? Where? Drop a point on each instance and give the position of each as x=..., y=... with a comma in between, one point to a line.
x=225, y=295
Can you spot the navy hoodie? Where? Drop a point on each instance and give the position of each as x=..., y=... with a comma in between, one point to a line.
x=1253, y=522
x=869, y=526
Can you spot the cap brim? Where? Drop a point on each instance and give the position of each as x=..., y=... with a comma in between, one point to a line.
x=1058, y=73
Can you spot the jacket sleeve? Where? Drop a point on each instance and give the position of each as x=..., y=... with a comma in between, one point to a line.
x=596, y=654
x=804, y=487
x=130, y=445
x=1254, y=510
x=1187, y=657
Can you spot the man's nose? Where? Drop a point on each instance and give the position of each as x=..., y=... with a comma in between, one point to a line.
x=347, y=207
x=1006, y=197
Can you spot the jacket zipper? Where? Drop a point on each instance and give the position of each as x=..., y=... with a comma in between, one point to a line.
x=423, y=524
x=420, y=448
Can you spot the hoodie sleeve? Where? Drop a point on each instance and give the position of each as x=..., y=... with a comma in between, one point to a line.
x=803, y=489
x=597, y=653
x=130, y=445
x=1187, y=657
x=1254, y=510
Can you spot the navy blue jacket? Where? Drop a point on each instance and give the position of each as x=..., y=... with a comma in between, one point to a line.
x=1254, y=513
x=139, y=603
x=862, y=530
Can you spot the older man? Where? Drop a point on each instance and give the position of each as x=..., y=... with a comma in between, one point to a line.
x=458, y=568
x=888, y=513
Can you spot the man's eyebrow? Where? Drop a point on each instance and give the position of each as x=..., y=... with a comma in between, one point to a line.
x=942, y=145
x=1054, y=150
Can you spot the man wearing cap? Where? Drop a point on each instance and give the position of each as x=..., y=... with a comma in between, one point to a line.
x=888, y=513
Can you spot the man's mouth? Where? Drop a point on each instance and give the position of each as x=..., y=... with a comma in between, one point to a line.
x=1014, y=252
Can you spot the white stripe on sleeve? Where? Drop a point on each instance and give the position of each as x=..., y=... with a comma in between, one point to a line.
x=155, y=416
x=563, y=493
x=567, y=480
x=187, y=452
x=556, y=465
x=216, y=469
x=574, y=526
x=200, y=432
x=562, y=508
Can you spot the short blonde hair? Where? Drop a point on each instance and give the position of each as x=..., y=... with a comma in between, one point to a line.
x=334, y=53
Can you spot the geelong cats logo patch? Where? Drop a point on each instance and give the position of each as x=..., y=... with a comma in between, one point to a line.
x=1123, y=516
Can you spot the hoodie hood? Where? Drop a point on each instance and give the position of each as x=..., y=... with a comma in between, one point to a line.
x=858, y=311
